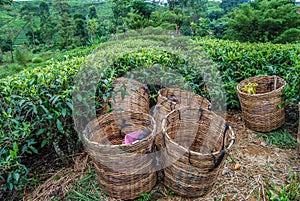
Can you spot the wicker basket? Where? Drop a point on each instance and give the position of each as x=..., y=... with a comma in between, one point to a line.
x=261, y=111
x=197, y=142
x=170, y=99
x=128, y=94
x=124, y=170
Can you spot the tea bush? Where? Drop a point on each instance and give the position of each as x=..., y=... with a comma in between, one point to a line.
x=37, y=105
x=238, y=61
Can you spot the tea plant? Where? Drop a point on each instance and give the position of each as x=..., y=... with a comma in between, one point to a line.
x=37, y=108
x=239, y=61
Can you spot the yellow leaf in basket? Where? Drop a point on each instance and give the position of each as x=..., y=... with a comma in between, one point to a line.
x=250, y=88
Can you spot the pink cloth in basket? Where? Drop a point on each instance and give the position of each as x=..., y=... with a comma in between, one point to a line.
x=131, y=137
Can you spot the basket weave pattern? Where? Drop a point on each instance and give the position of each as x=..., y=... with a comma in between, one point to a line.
x=135, y=96
x=125, y=178
x=170, y=99
x=196, y=144
x=261, y=111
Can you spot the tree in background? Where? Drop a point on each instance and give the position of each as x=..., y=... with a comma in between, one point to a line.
x=48, y=25
x=142, y=8
x=65, y=24
x=120, y=9
x=92, y=12
x=81, y=36
x=5, y=46
x=7, y=43
x=5, y=2
x=29, y=12
x=92, y=27
x=229, y=5
x=265, y=21
x=139, y=15
x=171, y=4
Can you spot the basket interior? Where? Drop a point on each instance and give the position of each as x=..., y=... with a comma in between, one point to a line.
x=265, y=83
x=197, y=132
x=183, y=97
x=111, y=129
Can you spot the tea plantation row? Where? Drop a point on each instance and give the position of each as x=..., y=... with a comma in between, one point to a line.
x=38, y=106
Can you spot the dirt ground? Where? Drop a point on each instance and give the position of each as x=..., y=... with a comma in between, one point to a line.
x=251, y=166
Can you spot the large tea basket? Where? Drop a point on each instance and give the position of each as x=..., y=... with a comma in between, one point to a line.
x=196, y=144
x=170, y=99
x=124, y=170
x=264, y=110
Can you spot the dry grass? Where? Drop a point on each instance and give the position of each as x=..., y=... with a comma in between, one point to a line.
x=60, y=183
x=251, y=168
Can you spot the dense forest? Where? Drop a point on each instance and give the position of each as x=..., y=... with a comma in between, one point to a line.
x=45, y=44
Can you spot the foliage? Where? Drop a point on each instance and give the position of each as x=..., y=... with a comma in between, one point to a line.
x=21, y=57
x=281, y=138
x=40, y=101
x=92, y=12
x=37, y=60
x=5, y=2
x=201, y=28
x=5, y=44
x=10, y=69
x=65, y=24
x=288, y=192
x=265, y=21
x=238, y=61
x=80, y=34
x=29, y=12
x=229, y=5
x=87, y=188
x=29, y=102
x=37, y=105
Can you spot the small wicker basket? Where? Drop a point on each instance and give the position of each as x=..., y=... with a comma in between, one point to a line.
x=124, y=170
x=196, y=145
x=170, y=99
x=262, y=111
x=128, y=94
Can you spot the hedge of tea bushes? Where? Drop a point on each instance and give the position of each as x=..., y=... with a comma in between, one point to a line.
x=36, y=105
x=238, y=61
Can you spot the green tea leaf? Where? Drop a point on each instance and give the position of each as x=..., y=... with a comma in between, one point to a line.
x=59, y=126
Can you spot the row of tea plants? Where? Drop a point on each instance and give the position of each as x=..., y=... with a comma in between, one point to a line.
x=37, y=105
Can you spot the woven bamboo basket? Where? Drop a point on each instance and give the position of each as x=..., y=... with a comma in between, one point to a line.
x=197, y=142
x=170, y=99
x=128, y=94
x=124, y=170
x=261, y=111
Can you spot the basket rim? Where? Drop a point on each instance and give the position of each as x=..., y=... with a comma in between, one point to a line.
x=261, y=94
x=231, y=140
x=166, y=88
x=153, y=132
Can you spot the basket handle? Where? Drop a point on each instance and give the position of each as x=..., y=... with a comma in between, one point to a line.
x=200, y=117
x=200, y=111
x=223, y=151
x=172, y=99
x=146, y=89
